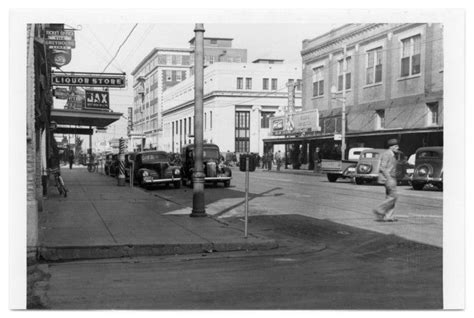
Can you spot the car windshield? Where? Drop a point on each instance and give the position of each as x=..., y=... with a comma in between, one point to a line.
x=428, y=154
x=154, y=157
x=207, y=153
x=370, y=155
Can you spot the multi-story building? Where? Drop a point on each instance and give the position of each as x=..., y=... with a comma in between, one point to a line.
x=239, y=99
x=161, y=69
x=393, y=87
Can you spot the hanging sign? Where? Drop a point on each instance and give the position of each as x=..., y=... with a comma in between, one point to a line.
x=111, y=80
x=97, y=100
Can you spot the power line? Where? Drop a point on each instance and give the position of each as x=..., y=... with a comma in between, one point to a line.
x=118, y=50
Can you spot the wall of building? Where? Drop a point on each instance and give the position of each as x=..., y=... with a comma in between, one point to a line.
x=403, y=99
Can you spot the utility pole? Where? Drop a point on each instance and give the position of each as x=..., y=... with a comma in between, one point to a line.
x=198, y=174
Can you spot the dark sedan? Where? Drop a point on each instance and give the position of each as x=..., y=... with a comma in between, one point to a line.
x=154, y=167
x=428, y=168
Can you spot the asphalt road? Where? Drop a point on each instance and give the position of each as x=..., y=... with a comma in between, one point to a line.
x=319, y=265
x=332, y=254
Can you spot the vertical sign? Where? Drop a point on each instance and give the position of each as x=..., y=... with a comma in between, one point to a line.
x=130, y=120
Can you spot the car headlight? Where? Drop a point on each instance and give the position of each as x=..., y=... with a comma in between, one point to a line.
x=145, y=174
x=423, y=171
x=176, y=171
x=364, y=168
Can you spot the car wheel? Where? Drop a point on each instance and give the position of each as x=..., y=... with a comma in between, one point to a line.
x=359, y=180
x=177, y=184
x=332, y=177
x=418, y=186
x=227, y=183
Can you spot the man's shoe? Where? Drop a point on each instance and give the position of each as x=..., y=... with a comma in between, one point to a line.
x=378, y=215
x=390, y=220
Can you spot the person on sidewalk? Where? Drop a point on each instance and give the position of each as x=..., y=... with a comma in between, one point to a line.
x=388, y=168
x=71, y=158
x=269, y=159
x=278, y=158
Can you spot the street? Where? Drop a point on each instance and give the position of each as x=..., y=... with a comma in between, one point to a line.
x=331, y=254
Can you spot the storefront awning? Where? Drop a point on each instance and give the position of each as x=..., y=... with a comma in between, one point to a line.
x=84, y=117
x=291, y=139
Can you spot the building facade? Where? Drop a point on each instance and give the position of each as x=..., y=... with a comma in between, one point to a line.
x=394, y=85
x=161, y=69
x=239, y=99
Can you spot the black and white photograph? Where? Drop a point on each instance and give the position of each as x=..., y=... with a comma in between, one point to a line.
x=237, y=159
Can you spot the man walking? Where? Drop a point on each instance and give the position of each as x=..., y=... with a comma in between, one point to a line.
x=71, y=158
x=388, y=168
x=269, y=160
x=278, y=158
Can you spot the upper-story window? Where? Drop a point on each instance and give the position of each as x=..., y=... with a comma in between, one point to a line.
x=340, y=72
x=161, y=59
x=380, y=119
x=178, y=76
x=168, y=75
x=274, y=84
x=169, y=59
x=433, y=116
x=265, y=119
x=186, y=59
x=211, y=59
x=213, y=41
x=411, y=56
x=176, y=59
x=374, y=66
x=318, y=81
x=240, y=83
x=265, y=84
x=248, y=83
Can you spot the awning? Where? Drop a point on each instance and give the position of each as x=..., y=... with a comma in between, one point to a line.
x=85, y=118
x=283, y=140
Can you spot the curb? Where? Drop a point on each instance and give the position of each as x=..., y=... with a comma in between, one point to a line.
x=70, y=253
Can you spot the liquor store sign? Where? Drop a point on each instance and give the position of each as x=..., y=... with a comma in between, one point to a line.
x=111, y=80
x=97, y=100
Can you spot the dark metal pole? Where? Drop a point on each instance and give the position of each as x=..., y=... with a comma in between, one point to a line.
x=198, y=175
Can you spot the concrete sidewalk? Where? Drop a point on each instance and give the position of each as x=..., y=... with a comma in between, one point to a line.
x=99, y=219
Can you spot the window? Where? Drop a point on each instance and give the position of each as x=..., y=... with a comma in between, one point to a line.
x=185, y=126
x=411, y=49
x=205, y=121
x=176, y=59
x=169, y=59
x=211, y=59
x=318, y=81
x=242, y=131
x=168, y=75
x=374, y=66
x=178, y=76
x=380, y=119
x=162, y=59
x=176, y=127
x=265, y=119
x=340, y=72
x=186, y=60
x=433, y=118
x=274, y=84
x=240, y=82
x=189, y=121
x=265, y=84
x=298, y=85
x=248, y=83
x=210, y=120
x=213, y=41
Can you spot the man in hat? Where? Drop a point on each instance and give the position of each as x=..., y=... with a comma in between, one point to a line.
x=388, y=176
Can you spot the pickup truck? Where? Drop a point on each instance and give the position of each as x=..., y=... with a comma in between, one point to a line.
x=336, y=169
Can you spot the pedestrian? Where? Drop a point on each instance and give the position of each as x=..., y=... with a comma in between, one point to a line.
x=269, y=160
x=278, y=158
x=71, y=158
x=388, y=172
x=317, y=159
x=264, y=160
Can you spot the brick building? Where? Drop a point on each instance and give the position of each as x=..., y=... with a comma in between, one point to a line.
x=394, y=85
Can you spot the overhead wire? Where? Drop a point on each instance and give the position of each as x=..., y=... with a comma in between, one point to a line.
x=120, y=46
x=103, y=46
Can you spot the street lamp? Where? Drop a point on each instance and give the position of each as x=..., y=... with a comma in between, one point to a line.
x=343, y=100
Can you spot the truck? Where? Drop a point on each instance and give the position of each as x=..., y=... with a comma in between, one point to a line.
x=335, y=169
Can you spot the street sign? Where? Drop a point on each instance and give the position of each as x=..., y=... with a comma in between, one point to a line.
x=112, y=80
x=97, y=100
x=55, y=43
x=337, y=137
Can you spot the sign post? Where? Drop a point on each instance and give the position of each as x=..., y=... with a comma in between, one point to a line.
x=247, y=175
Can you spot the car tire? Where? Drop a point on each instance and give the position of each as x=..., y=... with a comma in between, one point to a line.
x=227, y=183
x=359, y=181
x=418, y=186
x=177, y=184
x=332, y=177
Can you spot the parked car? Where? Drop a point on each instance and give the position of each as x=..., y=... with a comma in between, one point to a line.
x=368, y=166
x=341, y=169
x=428, y=168
x=154, y=167
x=215, y=169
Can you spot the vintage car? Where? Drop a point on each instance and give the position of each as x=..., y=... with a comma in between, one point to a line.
x=153, y=167
x=367, y=169
x=214, y=168
x=428, y=168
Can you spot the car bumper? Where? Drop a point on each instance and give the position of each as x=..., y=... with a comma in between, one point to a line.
x=214, y=179
x=366, y=176
x=148, y=180
x=426, y=180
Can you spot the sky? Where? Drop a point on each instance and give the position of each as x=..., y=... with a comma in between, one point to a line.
x=96, y=44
